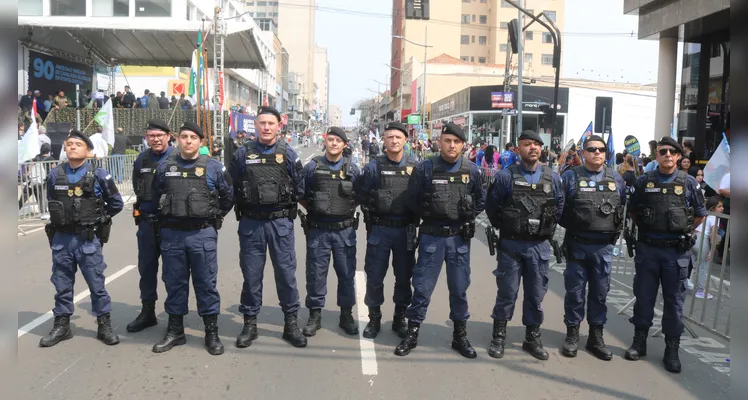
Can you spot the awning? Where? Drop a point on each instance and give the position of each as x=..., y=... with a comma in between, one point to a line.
x=126, y=41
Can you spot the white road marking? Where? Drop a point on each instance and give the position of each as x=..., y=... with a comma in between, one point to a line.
x=310, y=157
x=82, y=295
x=368, y=355
x=63, y=371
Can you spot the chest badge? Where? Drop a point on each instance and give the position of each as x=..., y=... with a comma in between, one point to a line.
x=408, y=170
x=184, y=174
x=199, y=171
x=342, y=174
x=533, y=186
x=78, y=191
x=679, y=190
x=650, y=184
x=612, y=186
x=252, y=156
x=465, y=178
x=546, y=188
x=70, y=192
x=664, y=190
x=264, y=160
x=451, y=178
x=582, y=183
x=279, y=158
x=173, y=168
x=592, y=183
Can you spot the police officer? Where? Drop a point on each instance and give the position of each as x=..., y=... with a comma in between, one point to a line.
x=331, y=228
x=524, y=202
x=82, y=199
x=593, y=218
x=447, y=193
x=665, y=206
x=382, y=189
x=194, y=193
x=145, y=213
x=267, y=173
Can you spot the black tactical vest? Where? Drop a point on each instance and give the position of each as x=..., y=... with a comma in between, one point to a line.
x=143, y=187
x=332, y=191
x=597, y=205
x=662, y=206
x=448, y=198
x=75, y=203
x=185, y=191
x=266, y=181
x=530, y=212
x=389, y=199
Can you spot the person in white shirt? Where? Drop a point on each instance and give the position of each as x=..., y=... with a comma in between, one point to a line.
x=706, y=234
x=43, y=138
x=101, y=147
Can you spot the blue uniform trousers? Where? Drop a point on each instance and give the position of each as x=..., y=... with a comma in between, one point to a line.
x=320, y=244
x=381, y=241
x=657, y=266
x=255, y=238
x=433, y=252
x=149, y=252
x=587, y=263
x=70, y=252
x=527, y=260
x=186, y=253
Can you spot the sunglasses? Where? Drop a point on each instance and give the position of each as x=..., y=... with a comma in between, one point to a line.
x=668, y=150
x=595, y=149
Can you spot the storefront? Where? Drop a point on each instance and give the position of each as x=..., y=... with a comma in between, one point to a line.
x=484, y=119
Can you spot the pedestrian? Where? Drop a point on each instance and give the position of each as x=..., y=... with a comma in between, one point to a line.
x=145, y=212
x=382, y=194
x=593, y=218
x=509, y=156
x=330, y=229
x=705, y=238
x=267, y=173
x=81, y=200
x=525, y=203
x=447, y=194
x=666, y=204
x=195, y=193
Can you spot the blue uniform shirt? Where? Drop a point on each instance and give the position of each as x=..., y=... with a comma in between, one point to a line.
x=217, y=178
x=420, y=181
x=370, y=179
x=104, y=187
x=501, y=189
x=508, y=158
x=238, y=165
x=307, y=175
x=150, y=207
x=693, y=198
x=569, y=178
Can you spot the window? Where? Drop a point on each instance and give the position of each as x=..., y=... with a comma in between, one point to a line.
x=68, y=8
x=484, y=1
x=504, y=4
x=261, y=15
x=482, y=60
x=112, y=8
x=716, y=50
x=528, y=35
x=153, y=8
x=482, y=40
x=472, y=59
x=31, y=8
x=547, y=38
x=275, y=14
x=465, y=58
x=473, y=39
x=550, y=14
x=504, y=25
x=503, y=47
x=466, y=1
x=464, y=39
x=473, y=18
x=547, y=59
x=528, y=58
x=484, y=19
x=262, y=3
x=465, y=19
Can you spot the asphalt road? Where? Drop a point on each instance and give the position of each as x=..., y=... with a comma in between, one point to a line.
x=333, y=366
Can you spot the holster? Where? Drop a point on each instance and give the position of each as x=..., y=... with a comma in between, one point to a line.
x=104, y=230
x=492, y=240
x=411, y=237
x=630, y=237
x=304, y=222
x=218, y=223
x=356, y=220
x=468, y=230
x=557, y=252
x=49, y=229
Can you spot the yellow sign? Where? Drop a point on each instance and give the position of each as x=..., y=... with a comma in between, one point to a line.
x=199, y=171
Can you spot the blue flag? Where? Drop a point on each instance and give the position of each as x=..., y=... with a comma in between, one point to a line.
x=611, y=152
x=587, y=133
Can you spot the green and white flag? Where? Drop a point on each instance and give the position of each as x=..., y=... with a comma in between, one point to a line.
x=105, y=118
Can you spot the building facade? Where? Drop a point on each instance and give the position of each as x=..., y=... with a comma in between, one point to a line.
x=322, y=79
x=336, y=116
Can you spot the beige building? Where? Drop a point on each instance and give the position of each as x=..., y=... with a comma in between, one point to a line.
x=322, y=79
x=336, y=116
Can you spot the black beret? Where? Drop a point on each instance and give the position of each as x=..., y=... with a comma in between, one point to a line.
x=397, y=126
x=191, y=126
x=269, y=110
x=78, y=135
x=594, y=138
x=157, y=125
x=334, y=130
x=668, y=141
x=453, y=129
x=532, y=135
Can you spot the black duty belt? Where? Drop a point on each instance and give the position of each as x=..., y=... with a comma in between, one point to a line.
x=75, y=229
x=390, y=223
x=604, y=238
x=660, y=242
x=524, y=237
x=255, y=214
x=441, y=230
x=187, y=225
x=333, y=226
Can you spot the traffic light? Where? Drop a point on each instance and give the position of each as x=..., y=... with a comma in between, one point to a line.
x=353, y=111
x=548, y=116
x=514, y=32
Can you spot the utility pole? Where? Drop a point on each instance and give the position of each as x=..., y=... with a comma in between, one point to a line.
x=520, y=60
x=425, y=60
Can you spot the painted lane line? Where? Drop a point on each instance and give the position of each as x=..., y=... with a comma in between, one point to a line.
x=368, y=355
x=82, y=295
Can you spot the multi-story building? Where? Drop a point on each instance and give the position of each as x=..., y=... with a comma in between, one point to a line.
x=322, y=79
x=336, y=116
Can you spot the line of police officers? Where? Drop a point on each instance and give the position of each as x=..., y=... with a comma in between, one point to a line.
x=182, y=198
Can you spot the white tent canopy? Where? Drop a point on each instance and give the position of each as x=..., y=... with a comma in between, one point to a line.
x=136, y=41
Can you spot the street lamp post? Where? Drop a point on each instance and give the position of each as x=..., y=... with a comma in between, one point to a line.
x=400, y=90
x=425, y=49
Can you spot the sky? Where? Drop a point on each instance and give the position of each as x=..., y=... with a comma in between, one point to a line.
x=358, y=46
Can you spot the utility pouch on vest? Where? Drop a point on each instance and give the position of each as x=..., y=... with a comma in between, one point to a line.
x=345, y=189
x=197, y=203
x=466, y=206
x=533, y=226
x=618, y=216
x=467, y=231
x=137, y=187
x=321, y=203
x=439, y=205
x=104, y=229
x=383, y=201
x=267, y=192
x=647, y=216
x=164, y=204
x=678, y=220
x=56, y=212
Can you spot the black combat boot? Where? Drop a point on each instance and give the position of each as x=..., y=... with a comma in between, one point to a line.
x=638, y=349
x=375, y=323
x=596, y=344
x=571, y=343
x=496, y=349
x=532, y=343
x=315, y=322
x=174, y=335
x=60, y=331
x=291, y=332
x=411, y=340
x=212, y=341
x=671, y=359
x=145, y=319
x=399, y=324
x=248, y=333
x=105, y=333
x=346, y=321
x=460, y=341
